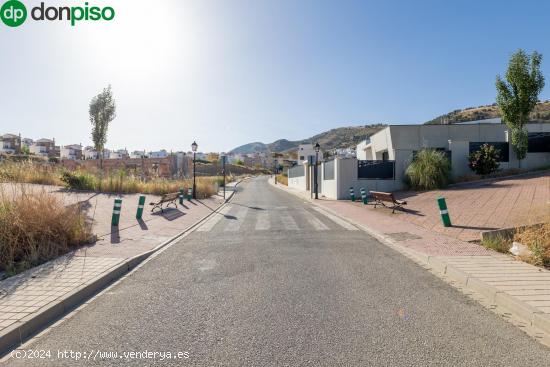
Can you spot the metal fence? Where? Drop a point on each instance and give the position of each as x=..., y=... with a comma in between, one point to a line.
x=328, y=170
x=376, y=170
x=296, y=171
x=539, y=142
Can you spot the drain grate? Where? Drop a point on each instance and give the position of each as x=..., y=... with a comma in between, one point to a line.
x=403, y=236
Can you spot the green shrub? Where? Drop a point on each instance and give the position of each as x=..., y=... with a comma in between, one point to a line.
x=79, y=180
x=484, y=161
x=429, y=170
x=499, y=244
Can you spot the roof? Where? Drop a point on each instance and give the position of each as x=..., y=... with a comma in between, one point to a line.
x=44, y=140
x=10, y=136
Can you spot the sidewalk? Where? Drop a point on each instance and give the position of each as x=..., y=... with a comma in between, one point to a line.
x=38, y=296
x=514, y=287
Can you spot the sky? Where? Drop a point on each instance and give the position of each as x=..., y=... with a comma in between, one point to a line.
x=230, y=72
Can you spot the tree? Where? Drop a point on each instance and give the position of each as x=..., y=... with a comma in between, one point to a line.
x=517, y=96
x=485, y=160
x=102, y=112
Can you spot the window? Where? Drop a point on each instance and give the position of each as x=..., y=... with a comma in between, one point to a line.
x=539, y=142
x=301, y=157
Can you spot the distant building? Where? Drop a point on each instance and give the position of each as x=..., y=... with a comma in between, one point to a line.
x=138, y=154
x=10, y=144
x=72, y=152
x=26, y=142
x=90, y=153
x=44, y=148
x=158, y=154
x=119, y=154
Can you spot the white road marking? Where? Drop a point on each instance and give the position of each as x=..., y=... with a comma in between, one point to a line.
x=314, y=221
x=289, y=222
x=262, y=223
x=337, y=220
x=234, y=224
x=210, y=223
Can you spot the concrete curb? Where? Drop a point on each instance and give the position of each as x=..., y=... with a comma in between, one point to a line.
x=511, y=305
x=25, y=329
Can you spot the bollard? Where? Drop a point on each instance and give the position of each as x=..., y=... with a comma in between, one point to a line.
x=352, y=194
x=189, y=194
x=182, y=195
x=141, y=205
x=444, y=212
x=116, y=212
x=364, y=196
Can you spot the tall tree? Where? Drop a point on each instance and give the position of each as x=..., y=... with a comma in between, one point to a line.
x=102, y=112
x=518, y=95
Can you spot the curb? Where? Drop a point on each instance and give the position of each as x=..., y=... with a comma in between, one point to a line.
x=511, y=305
x=20, y=332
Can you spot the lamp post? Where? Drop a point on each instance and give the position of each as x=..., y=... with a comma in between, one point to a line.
x=223, y=171
x=317, y=148
x=194, y=147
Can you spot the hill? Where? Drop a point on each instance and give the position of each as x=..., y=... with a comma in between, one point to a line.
x=342, y=137
x=541, y=114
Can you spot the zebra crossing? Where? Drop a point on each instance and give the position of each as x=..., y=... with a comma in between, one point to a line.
x=233, y=218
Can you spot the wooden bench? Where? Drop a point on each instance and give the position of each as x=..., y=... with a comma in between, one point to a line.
x=380, y=198
x=166, y=200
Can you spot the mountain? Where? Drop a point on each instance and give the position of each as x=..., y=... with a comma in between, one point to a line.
x=540, y=114
x=342, y=137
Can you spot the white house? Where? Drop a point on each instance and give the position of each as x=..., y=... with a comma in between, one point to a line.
x=43, y=148
x=10, y=144
x=72, y=152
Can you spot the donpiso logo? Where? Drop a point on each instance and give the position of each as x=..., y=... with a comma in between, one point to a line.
x=14, y=13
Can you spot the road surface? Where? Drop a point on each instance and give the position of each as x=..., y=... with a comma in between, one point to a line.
x=273, y=282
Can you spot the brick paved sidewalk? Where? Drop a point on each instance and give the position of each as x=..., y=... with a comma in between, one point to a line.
x=30, y=293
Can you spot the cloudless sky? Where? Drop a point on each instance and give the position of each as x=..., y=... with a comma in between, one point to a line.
x=230, y=72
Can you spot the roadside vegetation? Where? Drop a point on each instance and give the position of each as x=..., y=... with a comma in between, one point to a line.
x=535, y=237
x=120, y=181
x=485, y=160
x=282, y=179
x=37, y=227
x=429, y=170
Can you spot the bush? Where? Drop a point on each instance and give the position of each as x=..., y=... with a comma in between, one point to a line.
x=429, y=170
x=484, y=161
x=37, y=227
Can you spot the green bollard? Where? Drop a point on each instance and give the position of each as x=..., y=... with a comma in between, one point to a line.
x=182, y=195
x=189, y=194
x=364, y=196
x=141, y=205
x=352, y=194
x=116, y=212
x=444, y=212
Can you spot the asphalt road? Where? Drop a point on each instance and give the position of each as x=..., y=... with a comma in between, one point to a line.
x=275, y=282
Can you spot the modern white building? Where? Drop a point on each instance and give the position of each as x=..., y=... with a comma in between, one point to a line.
x=383, y=158
x=10, y=144
x=307, y=152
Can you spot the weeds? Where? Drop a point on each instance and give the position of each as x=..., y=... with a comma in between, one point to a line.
x=537, y=238
x=37, y=227
x=499, y=244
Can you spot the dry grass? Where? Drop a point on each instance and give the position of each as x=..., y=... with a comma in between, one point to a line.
x=37, y=227
x=113, y=182
x=537, y=238
x=498, y=244
x=29, y=172
x=282, y=179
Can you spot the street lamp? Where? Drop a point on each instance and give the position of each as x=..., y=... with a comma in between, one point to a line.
x=194, y=147
x=317, y=148
x=223, y=171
